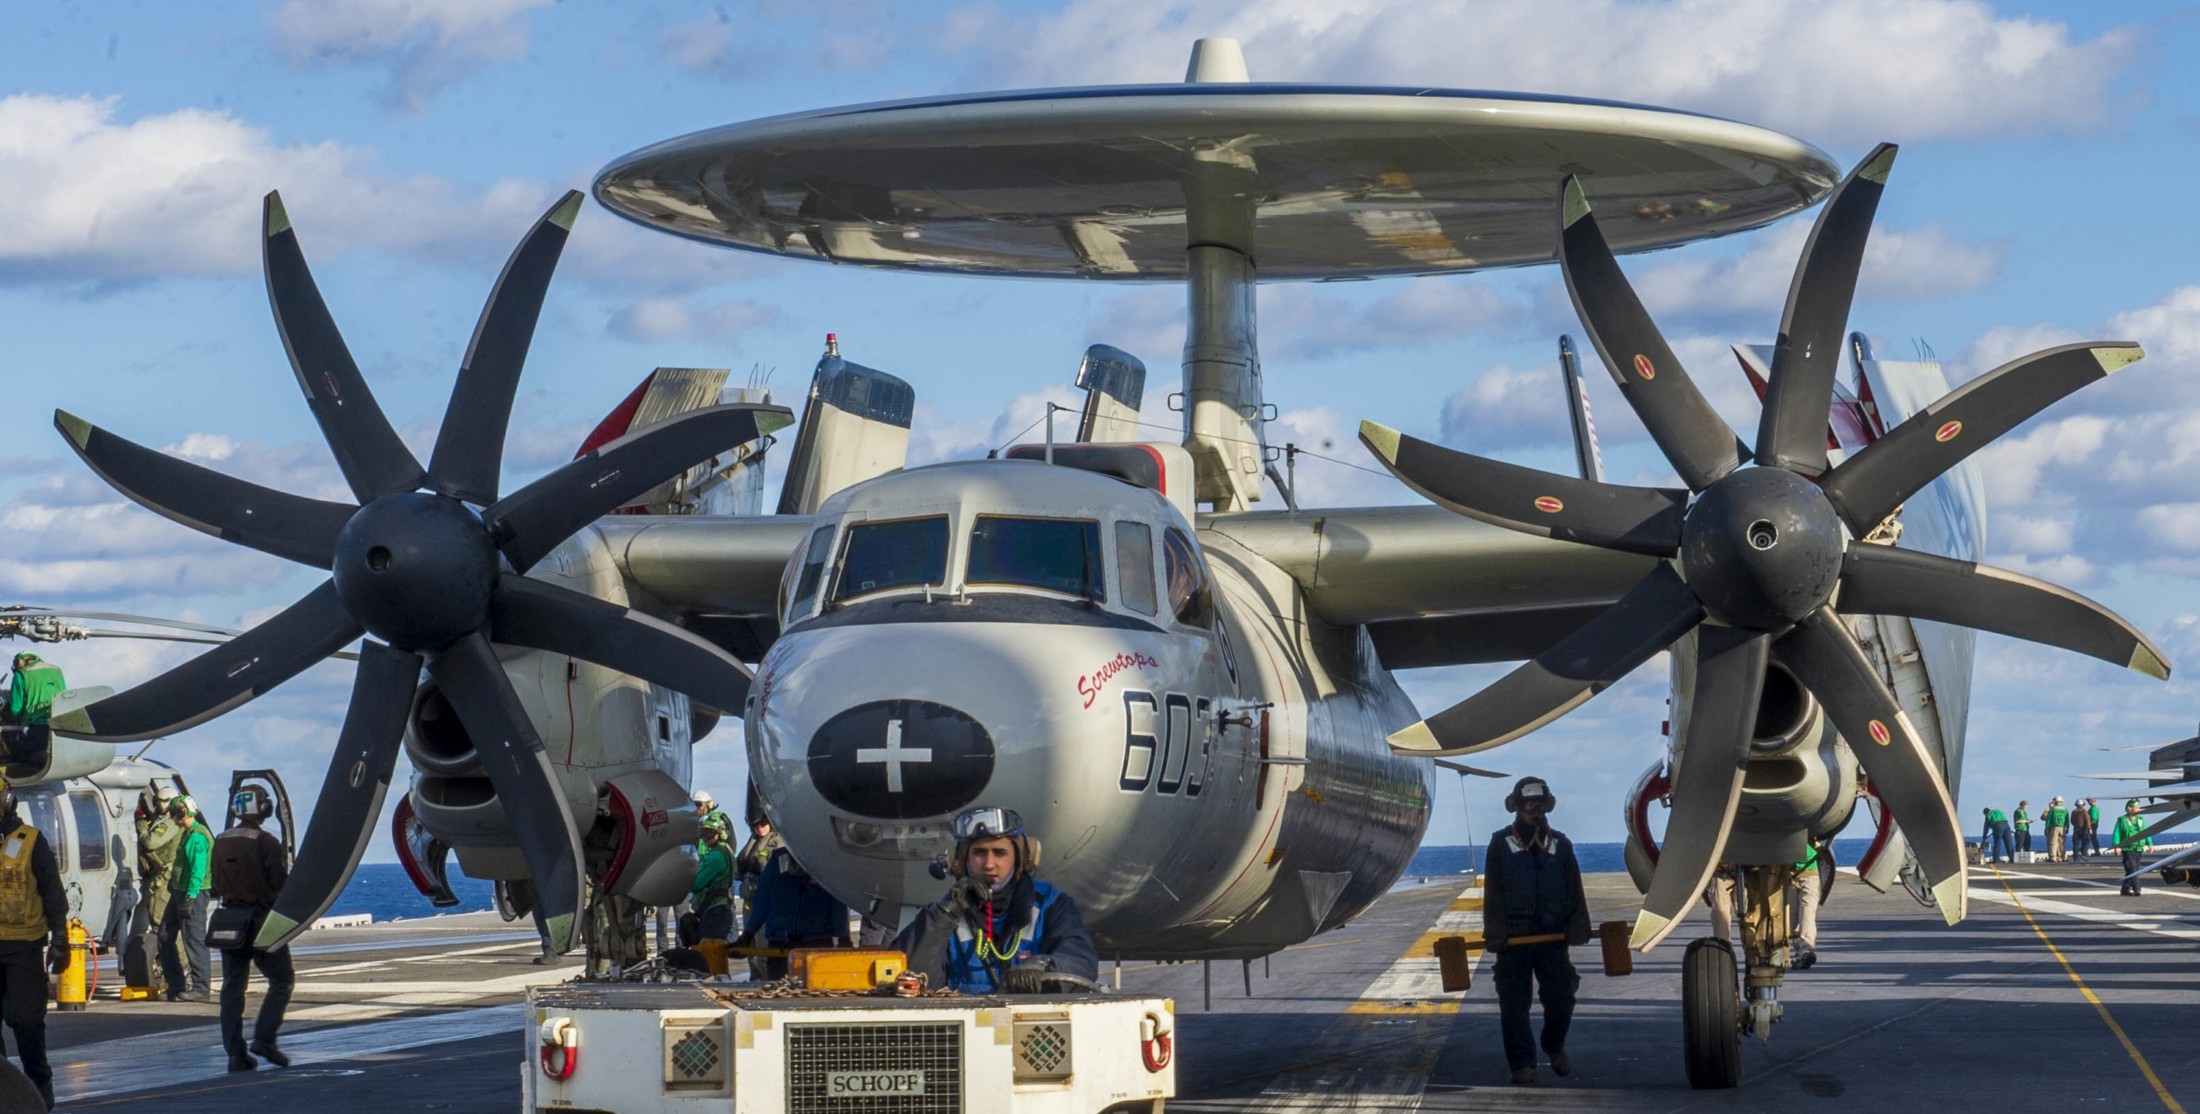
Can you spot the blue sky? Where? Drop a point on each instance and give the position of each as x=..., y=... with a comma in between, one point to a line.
x=2041, y=196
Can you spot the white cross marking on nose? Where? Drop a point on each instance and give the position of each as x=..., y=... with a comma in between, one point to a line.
x=894, y=754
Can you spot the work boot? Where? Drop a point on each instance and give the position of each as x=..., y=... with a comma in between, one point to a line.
x=1561, y=1063
x=267, y=1051
x=1805, y=959
x=1524, y=1077
x=45, y=1091
x=200, y=995
x=242, y=1063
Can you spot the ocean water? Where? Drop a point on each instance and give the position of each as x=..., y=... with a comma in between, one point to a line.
x=383, y=891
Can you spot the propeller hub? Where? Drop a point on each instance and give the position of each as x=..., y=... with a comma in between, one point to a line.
x=417, y=570
x=1761, y=548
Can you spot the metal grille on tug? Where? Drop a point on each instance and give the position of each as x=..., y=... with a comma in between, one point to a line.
x=816, y=1051
x=696, y=1056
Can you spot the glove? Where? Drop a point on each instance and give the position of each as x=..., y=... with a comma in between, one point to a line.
x=967, y=895
x=57, y=958
x=1027, y=977
x=745, y=940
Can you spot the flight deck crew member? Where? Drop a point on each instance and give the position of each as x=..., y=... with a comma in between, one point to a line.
x=792, y=911
x=2058, y=830
x=189, y=900
x=1809, y=890
x=32, y=685
x=1995, y=844
x=34, y=938
x=707, y=811
x=249, y=870
x=998, y=929
x=158, y=839
x=1532, y=886
x=2130, y=840
x=2023, y=822
x=712, y=897
x=748, y=868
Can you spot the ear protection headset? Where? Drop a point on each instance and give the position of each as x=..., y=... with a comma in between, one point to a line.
x=7, y=798
x=251, y=803
x=1542, y=789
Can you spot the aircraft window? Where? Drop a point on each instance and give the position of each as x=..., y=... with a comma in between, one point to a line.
x=813, y=571
x=1187, y=583
x=1134, y=565
x=91, y=831
x=43, y=810
x=1057, y=554
x=882, y=555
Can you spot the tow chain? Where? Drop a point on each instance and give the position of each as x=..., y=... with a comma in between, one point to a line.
x=789, y=988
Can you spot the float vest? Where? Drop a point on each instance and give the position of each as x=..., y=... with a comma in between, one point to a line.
x=22, y=910
x=968, y=973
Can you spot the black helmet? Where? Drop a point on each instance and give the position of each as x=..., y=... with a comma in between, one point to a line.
x=1529, y=788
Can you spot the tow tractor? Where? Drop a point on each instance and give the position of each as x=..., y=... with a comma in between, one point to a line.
x=837, y=1035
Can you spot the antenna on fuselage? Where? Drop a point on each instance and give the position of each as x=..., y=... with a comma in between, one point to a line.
x=1465, y=771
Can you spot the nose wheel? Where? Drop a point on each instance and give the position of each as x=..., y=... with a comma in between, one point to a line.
x=1711, y=1031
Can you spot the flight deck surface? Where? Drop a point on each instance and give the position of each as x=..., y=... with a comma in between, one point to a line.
x=1900, y=1011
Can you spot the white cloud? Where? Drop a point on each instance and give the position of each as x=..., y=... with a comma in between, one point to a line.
x=1905, y=266
x=2013, y=465
x=1334, y=470
x=1507, y=407
x=1847, y=73
x=426, y=45
x=660, y=319
x=1308, y=322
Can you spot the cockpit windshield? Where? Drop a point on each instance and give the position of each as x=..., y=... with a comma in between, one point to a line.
x=1057, y=554
x=906, y=553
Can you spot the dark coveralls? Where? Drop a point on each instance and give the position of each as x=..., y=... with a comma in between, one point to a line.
x=1532, y=885
x=248, y=870
x=23, y=962
x=792, y=910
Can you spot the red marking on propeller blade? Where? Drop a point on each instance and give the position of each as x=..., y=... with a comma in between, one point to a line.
x=1549, y=505
x=1644, y=368
x=1948, y=432
x=1879, y=733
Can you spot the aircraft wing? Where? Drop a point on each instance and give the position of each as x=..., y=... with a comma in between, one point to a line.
x=720, y=573
x=1433, y=587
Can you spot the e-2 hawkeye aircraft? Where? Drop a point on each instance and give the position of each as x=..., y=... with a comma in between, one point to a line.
x=2172, y=778
x=1191, y=701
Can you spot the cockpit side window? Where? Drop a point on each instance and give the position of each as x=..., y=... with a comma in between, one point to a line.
x=1056, y=554
x=811, y=574
x=1187, y=582
x=1134, y=565
x=91, y=830
x=906, y=553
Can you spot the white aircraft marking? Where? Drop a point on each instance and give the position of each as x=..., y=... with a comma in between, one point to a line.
x=2155, y=887
x=893, y=754
x=2160, y=924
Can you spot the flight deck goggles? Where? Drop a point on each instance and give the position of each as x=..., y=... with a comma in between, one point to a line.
x=980, y=823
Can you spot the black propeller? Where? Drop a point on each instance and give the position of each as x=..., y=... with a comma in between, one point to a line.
x=1757, y=557
x=429, y=561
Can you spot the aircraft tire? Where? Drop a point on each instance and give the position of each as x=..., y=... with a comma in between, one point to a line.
x=1711, y=1034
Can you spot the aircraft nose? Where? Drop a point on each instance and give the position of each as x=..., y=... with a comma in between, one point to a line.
x=901, y=759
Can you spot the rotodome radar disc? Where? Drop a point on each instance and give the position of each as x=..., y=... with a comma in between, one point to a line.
x=1102, y=183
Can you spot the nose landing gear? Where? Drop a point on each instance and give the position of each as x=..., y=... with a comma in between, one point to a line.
x=1716, y=1007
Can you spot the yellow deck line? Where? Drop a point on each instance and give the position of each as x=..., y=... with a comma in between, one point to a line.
x=2130, y=1049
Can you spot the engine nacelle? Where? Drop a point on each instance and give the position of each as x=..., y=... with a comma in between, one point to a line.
x=66, y=757
x=596, y=724
x=650, y=853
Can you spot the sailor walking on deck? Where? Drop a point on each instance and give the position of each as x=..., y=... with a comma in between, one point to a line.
x=183, y=928
x=249, y=870
x=2131, y=840
x=34, y=937
x=1532, y=886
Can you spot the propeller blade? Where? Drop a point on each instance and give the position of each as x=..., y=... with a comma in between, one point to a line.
x=1644, y=520
x=2154, y=830
x=2175, y=859
x=351, y=794
x=1883, y=580
x=526, y=785
x=534, y=519
x=222, y=678
x=1869, y=486
x=1827, y=659
x=1653, y=613
x=1792, y=433
x=1707, y=782
x=469, y=448
x=368, y=451
x=1695, y=439
x=547, y=617
x=289, y=526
